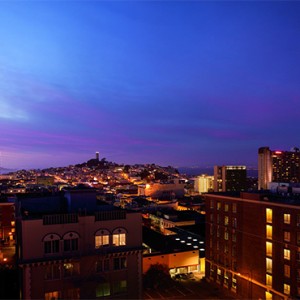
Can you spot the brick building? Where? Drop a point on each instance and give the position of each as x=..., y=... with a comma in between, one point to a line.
x=253, y=245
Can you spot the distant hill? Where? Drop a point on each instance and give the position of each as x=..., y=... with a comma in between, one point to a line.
x=5, y=171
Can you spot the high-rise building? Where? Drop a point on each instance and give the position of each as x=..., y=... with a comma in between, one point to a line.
x=204, y=183
x=71, y=247
x=277, y=166
x=253, y=245
x=230, y=178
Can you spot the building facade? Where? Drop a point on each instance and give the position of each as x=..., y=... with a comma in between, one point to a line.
x=79, y=255
x=204, y=183
x=253, y=246
x=230, y=178
x=277, y=166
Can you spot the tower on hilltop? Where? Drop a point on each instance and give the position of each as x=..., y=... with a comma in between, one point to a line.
x=97, y=156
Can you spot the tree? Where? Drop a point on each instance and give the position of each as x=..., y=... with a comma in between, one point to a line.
x=158, y=276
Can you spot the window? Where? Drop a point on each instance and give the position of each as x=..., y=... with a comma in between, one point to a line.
x=286, y=289
x=218, y=219
x=211, y=217
x=287, y=236
x=70, y=269
x=226, y=220
x=120, y=263
x=51, y=244
x=287, y=254
x=269, y=265
x=226, y=235
x=268, y=295
x=233, y=239
x=287, y=218
x=102, y=290
x=120, y=287
x=71, y=242
x=287, y=271
x=269, y=280
x=226, y=207
x=269, y=230
x=102, y=238
x=119, y=237
x=102, y=265
x=52, y=295
x=211, y=204
x=218, y=205
x=71, y=293
x=234, y=208
x=298, y=238
x=234, y=222
x=52, y=272
x=233, y=285
x=269, y=214
x=269, y=248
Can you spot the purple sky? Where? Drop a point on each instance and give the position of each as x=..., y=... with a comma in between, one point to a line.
x=169, y=82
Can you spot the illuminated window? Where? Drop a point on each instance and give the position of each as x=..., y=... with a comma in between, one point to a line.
x=218, y=205
x=102, y=238
x=70, y=269
x=103, y=289
x=269, y=214
x=226, y=235
x=51, y=244
x=268, y=296
x=119, y=237
x=226, y=220
x=287, y=271
x=286, y=289
x=226, y=207
x=269, y=280
x=287, y=218
x=234, y=207
x=52, y=295
x=269, y=265
x=287, y=254
x=233, y=285
x=269, y=231
x=269, y=248
x=287, y=236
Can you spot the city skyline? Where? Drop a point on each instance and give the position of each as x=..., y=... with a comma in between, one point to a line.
x=178, y=83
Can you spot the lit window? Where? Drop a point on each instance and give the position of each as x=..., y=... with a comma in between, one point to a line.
x=286, y=289
x=287, y=254
x=218, y=205
x=233, y=282
x=226, y=207
x=287, y=218
x=269, y=249
x=70, y=269
x=103, y=289
x=51, y=244
x=102, y=238
x=268, y=296
x=226, y=235
x=269, y=230
x=269, y=280
x=287, y=271
x=269, y=265
x=287, y=236
x=234, y=207
x=52, y=295
x=119, y=237
x=269, y=214
x=226, y=220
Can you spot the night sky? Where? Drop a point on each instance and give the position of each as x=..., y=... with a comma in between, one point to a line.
x=176, y=83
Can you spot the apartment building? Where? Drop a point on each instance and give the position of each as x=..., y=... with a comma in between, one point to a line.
x=73, y=247
x=253, y=245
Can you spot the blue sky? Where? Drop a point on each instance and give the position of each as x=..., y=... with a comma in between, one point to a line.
x=177, y=83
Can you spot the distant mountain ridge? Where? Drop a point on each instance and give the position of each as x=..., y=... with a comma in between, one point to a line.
x=5, y=171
